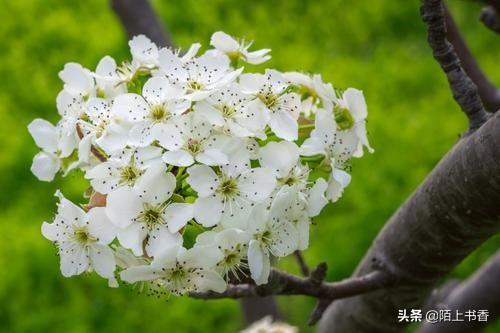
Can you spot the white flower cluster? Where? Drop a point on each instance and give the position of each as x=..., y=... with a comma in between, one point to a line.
x=205, y=173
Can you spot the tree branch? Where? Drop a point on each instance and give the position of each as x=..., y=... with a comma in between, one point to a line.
x=478, y=292
x=302, y=263
x=463, y=89
x=488, y=92
x=282, y=283
x=490, y=19
x=138, y=17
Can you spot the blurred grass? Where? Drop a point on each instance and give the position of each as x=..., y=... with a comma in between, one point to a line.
x=379, y=48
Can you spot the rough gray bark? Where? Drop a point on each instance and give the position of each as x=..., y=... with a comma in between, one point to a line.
x=490, y=19
x=255, y=308
x=446, y=218
x=480, y=291
x=138, y=17
x=452, y=212
x=488, y=92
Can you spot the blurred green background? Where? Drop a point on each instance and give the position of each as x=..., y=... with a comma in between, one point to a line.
x=377, y=46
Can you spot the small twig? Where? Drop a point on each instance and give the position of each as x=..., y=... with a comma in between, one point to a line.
x=286, y=284
x=138, y=17
x=100, y=156
x=490, y=18
x=463, y=89
x=488, y=92
x=302, y=263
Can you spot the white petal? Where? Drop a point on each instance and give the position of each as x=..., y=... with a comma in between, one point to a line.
x=155, y=185
x=203, y=180
x=312, y=146
x=132, y=107
x=203, y=256
x=284, y=239
x=280, y=157
x=210, y=281
x=45, y=135
x=177, y=215
x=257, y=184
x=45, y=166
x=123, y=206
x=69, y=212
x=212, y=157
x=223, y=42
x=160, y=240
x=259, y=263
x=102, y=260
x=284, y=125
x=303, y=234
x=179, y=158
x=209, y=112
x=114, y=139
x=208, y=211
x=157, y=89
x=143, y=49
x=168, y=136
x=132, y=237
x=74, y=259
x=100, y=226
x=356, y=103
x=52, y=232
x=339, y=180
x=317, y=199
x=139, y=273
x=172, y=66
x=77, y=80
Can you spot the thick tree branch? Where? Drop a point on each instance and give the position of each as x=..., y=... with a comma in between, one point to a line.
x=478, y=292
x=488, y=92
x=138, y=17
x=463, y=89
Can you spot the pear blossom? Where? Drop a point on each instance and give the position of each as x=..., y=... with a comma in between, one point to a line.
x=55, y=145
x=234, y=112
x=235, y=50
x=190, y=139
x=228, y=196
x=284, y=107
x=123, y=169
x=233, y=244
x=180, y=271
x=272, y=235
x=145, y=213
x=200, y=77
x=82, y=239
x=266, y=325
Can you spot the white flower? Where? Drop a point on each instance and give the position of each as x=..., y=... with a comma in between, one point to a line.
x=190, y=140
x=145, y=213
x=233, y=244
x=234, y=112
x=108, y=80
x=78, y=81
x=150, y=113
x=350, y=113
x=272, y=234
x=336, y=145
x=235, y=50
x=54, y=144
x=284, y=107
x=200, y=77
x=144, y=51
x=339, y=179
x=99, y=127
x=82, y=239
x=123, y=169
x=266, y=325
x=313, y=91
x=229, y=195
x=180, y=271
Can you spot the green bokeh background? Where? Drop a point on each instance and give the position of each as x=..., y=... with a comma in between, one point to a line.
x=377, y=46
